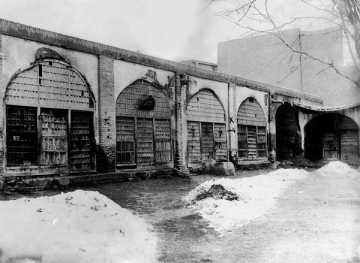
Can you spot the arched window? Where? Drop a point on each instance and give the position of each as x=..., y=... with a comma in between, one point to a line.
x=143, y=126
x=49, y=116
x=251, y=131
x=206, y=128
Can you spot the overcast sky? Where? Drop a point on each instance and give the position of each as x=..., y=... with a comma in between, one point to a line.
x=170, y=29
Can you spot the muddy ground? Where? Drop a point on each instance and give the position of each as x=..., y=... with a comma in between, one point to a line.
x=315, y=220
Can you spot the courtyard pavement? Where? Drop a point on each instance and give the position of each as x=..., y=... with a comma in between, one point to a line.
x=316, y=219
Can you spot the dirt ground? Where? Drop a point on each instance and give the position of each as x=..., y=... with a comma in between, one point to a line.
x=315, y=220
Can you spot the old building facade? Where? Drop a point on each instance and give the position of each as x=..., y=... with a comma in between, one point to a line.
x=326, y=131
x=71, y=106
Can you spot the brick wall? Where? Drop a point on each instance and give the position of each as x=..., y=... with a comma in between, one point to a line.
x=107, y=125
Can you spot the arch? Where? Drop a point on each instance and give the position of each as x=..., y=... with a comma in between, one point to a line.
x=206, y=127
x=143, y=124
x=332, y=136
x=288, y=135
x=205, y=104
x=50, y=83
x=251, y=124
x=49, y=104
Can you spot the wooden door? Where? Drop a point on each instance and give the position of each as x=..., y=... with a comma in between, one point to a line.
x=350, y=147
x=252, y=142
x=81, y=140
x=193, y=143
x=331, y=145
x=220, y=141
x=261, y=142
x=125, y=140
x=207, y=141
x=54, y=145
x=162, y=140
x=145, y=142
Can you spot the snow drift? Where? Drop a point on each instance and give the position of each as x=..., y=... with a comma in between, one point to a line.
x=80, y=226
x=255, y=196
x=337, y=168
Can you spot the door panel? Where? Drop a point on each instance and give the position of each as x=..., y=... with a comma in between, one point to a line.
x=81, y=140
x=207, y=141
x=162, y=140
x=331, y=145
x=251, y=142
x=193, y=144
x=349, y=147
x=125, y=140
x=145, y=145
x=220, y=141
x=54, y=145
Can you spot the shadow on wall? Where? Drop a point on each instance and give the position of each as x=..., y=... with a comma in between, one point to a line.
x=332, y=137
x=288, y=135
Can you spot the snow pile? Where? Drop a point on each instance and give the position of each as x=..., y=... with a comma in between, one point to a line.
x=256, y=195
x=337, y=168
x=80, y=226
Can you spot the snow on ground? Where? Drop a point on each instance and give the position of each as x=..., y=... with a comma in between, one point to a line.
x=79, y=226
x=337, y=168
x=256, y=196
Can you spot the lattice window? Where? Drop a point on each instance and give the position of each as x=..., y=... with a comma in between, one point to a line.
x=125, y=140
x=21, y=136
x=48, y=84
x=54, y=144
x=251, y=130
x=145, y=143
x=151, y=126
x=81, y=140
x=251, y=142
x=162, y=140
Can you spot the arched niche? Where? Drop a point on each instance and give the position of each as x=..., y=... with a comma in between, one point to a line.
x=333, y=137
x=49, y=115
x=143, y=126
x=206, y=128
x=288, y=135
x=251, y=129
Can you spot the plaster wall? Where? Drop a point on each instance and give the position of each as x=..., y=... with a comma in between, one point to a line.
x=242, y=93
x=221, y=91
x=126, y=73
x=263, y=58
x=320, y=79
x=19, y=53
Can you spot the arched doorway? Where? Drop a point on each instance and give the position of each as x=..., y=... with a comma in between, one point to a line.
x=143, y=127
x=288, y=135
x=49, y=116
x=332, y=137
x=206, y=128
x=251, y=124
